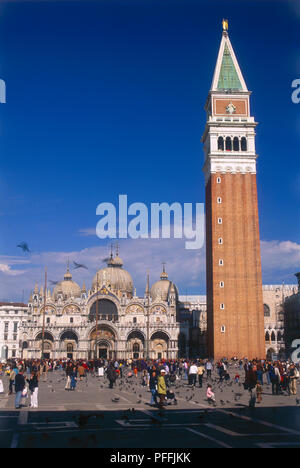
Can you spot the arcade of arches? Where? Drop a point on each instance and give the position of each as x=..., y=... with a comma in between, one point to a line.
x=103, y=343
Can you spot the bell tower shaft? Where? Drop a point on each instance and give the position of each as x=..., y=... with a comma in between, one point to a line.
x=234, y=280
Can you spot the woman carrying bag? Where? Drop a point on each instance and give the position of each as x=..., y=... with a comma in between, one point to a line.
x=34, y=389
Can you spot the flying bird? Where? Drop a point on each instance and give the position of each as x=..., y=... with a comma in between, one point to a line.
x=79, y=265
x=54, y=283
x=24, y=246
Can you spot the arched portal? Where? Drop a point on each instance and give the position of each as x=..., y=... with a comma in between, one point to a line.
x=136, y=345
x=68, y=344
x=159, y=345
x=48, y=343
x=103, y=342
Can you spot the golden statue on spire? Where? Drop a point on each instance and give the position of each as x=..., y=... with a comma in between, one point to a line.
x=225, y=24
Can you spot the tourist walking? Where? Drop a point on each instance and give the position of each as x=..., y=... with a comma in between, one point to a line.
x=111, y=375
x=34, y=389
x=44, y=370
x=260, y=373
x=293, y=376
x=69, y=372
x=19, y=387
x=12, y=377
x=200, y=372
x=153, y=381
x=209, y=368
x=162, y=388
x=193, y=372
x=81, y=371
x=259, y=392
x=275, y=379
x=74, y=379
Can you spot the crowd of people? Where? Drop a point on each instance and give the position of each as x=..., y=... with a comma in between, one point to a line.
x=159, y=376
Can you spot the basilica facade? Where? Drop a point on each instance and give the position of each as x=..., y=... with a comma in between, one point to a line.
x=106, y=321
x=170, y=325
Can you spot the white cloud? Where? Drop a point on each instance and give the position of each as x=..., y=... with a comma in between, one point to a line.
x=6, y=269
x=7, y=262
x=280, y=260
x=185, y=267
x=87, y=232
x=280, y=254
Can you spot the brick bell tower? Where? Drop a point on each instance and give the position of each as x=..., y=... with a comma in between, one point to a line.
x=234, y=281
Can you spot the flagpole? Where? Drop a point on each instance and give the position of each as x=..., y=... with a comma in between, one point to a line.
x=148, y=317
x=97, y=311
x=44, y=314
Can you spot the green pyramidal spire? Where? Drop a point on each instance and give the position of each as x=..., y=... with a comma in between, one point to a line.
x=228, y=78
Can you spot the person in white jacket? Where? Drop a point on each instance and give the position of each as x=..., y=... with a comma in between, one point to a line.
x=193, y=372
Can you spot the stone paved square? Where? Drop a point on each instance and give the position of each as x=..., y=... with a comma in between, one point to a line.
x=89, y=418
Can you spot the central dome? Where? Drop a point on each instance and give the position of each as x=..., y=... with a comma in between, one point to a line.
x=114, y=277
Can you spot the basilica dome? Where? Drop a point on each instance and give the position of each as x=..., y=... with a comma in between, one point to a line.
x=162, y=288
x=67, y=287
x=114, y=277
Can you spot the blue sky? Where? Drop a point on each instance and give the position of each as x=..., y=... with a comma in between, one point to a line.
x=106, y=98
